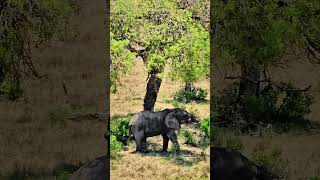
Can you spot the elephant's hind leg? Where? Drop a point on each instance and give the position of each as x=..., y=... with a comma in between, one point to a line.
x=138, y=136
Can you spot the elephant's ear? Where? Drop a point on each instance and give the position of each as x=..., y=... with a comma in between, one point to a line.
x=172, y=122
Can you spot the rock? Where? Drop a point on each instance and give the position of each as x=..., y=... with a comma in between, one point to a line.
x=229, y=165
x=94, y=170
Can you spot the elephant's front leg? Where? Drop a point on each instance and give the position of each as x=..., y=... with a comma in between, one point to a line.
x=173, y=138
x=144, y=145
x=165, y=142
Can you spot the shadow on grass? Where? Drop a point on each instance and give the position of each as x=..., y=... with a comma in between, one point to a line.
x=184, y=158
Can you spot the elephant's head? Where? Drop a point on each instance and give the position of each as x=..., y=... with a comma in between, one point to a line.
x=179, y=116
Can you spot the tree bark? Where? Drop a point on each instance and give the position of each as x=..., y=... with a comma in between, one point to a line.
x=249, y=83
x=153, y=87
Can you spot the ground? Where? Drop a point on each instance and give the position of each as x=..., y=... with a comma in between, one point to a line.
x=129, y=99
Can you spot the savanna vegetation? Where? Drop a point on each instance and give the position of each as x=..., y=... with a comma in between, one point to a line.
x=160, y=59
x=51, y=55
x=266, y=97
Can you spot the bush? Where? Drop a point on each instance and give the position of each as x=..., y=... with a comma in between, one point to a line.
x=119, y=128
x=188, y=137
x=282, y=107
x=115, y=146
x=295, y=105
x=192, y=95
x=205, y=126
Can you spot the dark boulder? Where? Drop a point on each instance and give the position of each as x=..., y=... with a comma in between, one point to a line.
x=94, y=170
x=231, y=165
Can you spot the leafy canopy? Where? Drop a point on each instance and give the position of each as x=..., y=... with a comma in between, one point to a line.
x=160, y=31
x=261, y=32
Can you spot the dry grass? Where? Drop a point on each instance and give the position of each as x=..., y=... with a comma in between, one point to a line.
x=35, y=134
x=129, y=99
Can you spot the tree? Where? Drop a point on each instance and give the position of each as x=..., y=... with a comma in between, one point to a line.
x=153, y=31
x=255, y=35
x=252, y=36
x=191, y=57
x=25, y=25
x=122, y=60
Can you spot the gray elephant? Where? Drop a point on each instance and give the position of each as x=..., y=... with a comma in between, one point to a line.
x=147, y=124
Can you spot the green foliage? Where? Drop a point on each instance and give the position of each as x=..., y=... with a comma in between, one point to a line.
x=160, y=31
x=191, y=56
x=188, y=137
x=191, y=95
x=205, y=126
x=25, y=26
x=115, y=147
x=295, y=105
x=282, y=107
x=122, y=61
x=259, y=32
x=175, y=149
x=119, y=129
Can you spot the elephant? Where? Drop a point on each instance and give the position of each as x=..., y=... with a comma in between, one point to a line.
x=146, y=124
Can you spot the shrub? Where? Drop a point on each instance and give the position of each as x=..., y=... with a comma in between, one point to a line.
x=279, y=106
x=188, y=137
x=295, y=105
x=205, y=126
x=115, y=146
x=119, y=129
x=191, y=95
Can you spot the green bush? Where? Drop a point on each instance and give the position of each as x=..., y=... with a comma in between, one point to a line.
x=295, y=105
x=282, y=107
x=119, y=129
x=188, y=137
x=115, y=146
x=192, y=95
x=205, y=126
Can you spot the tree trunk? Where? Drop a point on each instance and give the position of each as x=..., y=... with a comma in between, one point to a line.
x=153, y=87
x=249, y=83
